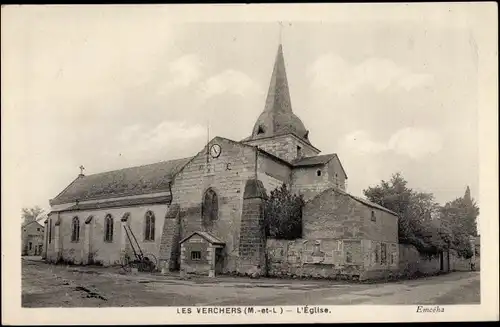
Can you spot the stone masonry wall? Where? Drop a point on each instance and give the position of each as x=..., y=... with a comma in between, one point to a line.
x=338, y=259
x=227, y=177
x=285, y=147
x=336, y=174
x=306, y=181
x=273, y=174
x=252, y=236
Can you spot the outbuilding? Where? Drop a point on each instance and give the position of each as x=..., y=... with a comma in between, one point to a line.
x=201, y=254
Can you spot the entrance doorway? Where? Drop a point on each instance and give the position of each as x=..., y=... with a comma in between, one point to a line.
x=219, y=260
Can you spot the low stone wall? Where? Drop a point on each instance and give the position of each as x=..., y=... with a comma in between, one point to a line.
x=412, y=262
x=316, y=259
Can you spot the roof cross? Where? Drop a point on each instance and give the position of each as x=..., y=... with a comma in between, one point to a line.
x=281, y=30
x=81, y=169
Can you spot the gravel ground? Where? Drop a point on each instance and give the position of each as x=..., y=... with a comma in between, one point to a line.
x=45, y=285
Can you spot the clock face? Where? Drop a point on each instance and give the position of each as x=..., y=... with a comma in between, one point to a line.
x=215, y=150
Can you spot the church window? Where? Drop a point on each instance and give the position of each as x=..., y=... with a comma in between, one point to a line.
x=30, y=245
x=299, y=151
x=374, y=218
x=195, y=255
x=149, y=234
x=108, y=228
x=210, y=207
x=261, y=130
x=318, y=172
x=50, y=231
x=75, y=230
x=377, y=247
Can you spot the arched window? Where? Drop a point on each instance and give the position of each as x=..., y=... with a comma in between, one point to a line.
x=210, y=207
x=108, y=228
x=75, y=230
x=149, y=234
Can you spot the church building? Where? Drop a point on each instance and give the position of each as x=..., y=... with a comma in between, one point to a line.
x=205, y=212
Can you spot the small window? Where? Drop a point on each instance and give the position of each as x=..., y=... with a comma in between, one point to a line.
x=24, y=229
x=38, y=229
x=299, y=151
x=108, y=230
x=30, y=245
x=195, y=255
x=261, y=130
x=318, y=172
x=374, y=218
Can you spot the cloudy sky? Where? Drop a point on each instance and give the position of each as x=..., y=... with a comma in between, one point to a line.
x=110, y=88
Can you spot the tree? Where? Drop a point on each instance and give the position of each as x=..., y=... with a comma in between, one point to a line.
x=32, y=214
x=417, y=213
x=460, y=215
x=283, y=214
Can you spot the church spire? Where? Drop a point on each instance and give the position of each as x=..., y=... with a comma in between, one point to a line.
x=278, y=94
x=278, y=117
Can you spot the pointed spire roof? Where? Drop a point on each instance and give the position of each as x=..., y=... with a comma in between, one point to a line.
x=278, y=117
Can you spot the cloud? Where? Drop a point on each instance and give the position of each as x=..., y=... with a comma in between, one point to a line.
x=333, y=73
x=142, y=137
x=229, y=81
x=181, y=72
x=141, y=144
x=409, y=141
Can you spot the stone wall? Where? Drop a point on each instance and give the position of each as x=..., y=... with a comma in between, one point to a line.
x=273, y=174
x=319, y=259
x=305, y=181
x=252, y=235
x=227, y=177
x=412, y=262
x=285, y=147
x=199, y=266
x=336, y=174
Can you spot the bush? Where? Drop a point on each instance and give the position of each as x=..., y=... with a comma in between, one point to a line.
x=283, y=214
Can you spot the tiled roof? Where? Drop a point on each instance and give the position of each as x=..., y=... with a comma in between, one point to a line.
x=313, y=161
x=209, y=237
x=124, y=182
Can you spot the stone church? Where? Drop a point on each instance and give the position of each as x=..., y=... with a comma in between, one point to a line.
x=204, y=213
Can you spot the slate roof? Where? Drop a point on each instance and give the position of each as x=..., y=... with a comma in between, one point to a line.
x=209, y=237
x=144, y=179
x=313, y=161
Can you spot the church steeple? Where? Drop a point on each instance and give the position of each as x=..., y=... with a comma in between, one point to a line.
x=278, y=118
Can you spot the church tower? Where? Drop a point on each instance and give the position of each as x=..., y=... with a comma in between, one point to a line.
x=278, y=130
